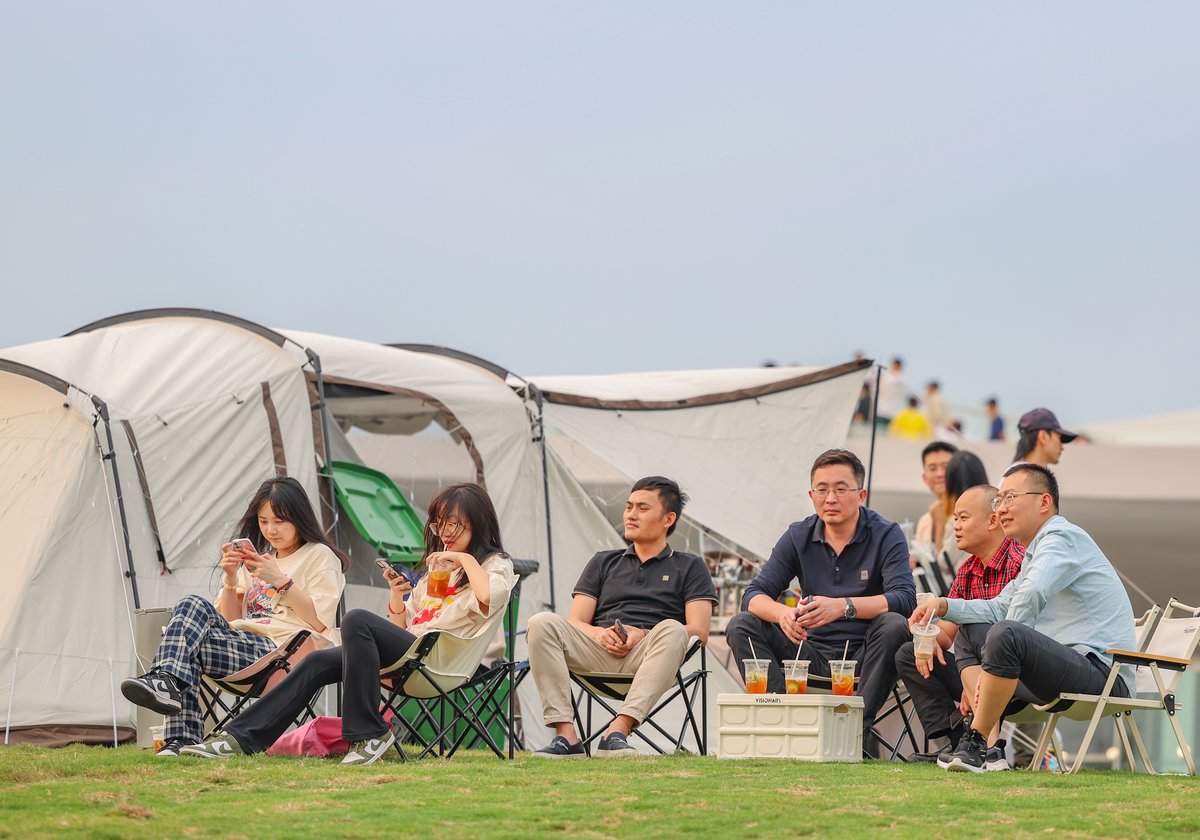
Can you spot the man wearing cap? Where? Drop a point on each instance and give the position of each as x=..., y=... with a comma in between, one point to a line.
x=935, y=687
x=1042, y=438
x=1049, y=631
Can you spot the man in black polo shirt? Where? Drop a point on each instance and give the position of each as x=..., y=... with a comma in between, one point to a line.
x=853, y=565
x=659, y=596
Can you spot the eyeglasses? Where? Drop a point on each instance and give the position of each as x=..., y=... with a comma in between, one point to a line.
x=447, y=530
x=839, y=492
x=1009, y=499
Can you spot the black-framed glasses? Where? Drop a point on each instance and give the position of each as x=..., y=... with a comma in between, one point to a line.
x=1009, y=499
x=839, y=492
x=447, y=529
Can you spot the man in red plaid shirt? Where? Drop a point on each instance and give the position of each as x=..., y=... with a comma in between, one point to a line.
x=935, y=689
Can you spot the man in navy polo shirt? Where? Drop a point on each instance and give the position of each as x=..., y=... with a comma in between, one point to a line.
x=853, y=564
x=656, y=596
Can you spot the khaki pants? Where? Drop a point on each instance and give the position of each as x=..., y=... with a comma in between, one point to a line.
x=556, y=647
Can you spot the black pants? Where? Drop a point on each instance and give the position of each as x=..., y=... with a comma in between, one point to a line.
x=876, y=655
x=934, y=697
x=1043, y=667
x=368, y=641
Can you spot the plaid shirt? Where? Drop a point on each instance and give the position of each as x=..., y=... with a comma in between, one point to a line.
x=975, y=580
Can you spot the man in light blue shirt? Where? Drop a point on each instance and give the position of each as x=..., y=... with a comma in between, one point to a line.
x=1049, y=629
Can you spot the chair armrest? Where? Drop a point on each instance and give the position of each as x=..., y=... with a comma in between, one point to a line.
x=1133, y=657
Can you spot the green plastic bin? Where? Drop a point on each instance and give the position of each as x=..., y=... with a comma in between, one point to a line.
x=380, y=512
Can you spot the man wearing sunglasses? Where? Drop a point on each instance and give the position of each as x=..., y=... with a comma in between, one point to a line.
x=1048, y=630
x=853, y=568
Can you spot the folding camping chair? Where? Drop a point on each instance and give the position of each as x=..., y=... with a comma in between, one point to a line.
x=600, y=688
x=501, y=707
x=254, y=681
x=1170, y=645
x=437, y=667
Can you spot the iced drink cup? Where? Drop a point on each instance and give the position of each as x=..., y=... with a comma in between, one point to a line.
x=795, y=676
x=841, y=674
x=158, y=736
x=924, y=639
x=756, y=675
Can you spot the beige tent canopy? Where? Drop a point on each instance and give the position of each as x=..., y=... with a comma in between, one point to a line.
x=118, y=486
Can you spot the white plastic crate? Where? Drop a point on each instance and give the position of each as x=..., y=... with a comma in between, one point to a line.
x=807, y=727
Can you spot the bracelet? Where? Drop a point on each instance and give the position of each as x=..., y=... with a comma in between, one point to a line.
x=228, y=587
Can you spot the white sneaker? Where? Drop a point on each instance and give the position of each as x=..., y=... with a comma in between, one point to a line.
x=368, y=752
x=217, y=746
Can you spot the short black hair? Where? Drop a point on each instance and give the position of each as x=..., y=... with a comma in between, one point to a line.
x=1043, y=479
x=913, y=402
x=933, y=383
x=937, y=446
x=673, y=499
x=843, y=457
x=992, y=401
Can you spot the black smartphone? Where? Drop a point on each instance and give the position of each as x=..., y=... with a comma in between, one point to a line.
x=385, y=567
x=620, y=630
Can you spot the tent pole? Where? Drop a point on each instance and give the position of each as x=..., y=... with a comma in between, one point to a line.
x=874, y=426
x=111, y=457
x=327, y=473
x=322, y=412
x=541, y=402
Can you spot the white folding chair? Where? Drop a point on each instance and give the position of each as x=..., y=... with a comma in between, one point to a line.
x=1169, y=645
x=441, y=667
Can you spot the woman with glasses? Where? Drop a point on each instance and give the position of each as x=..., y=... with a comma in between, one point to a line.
x=467, y=572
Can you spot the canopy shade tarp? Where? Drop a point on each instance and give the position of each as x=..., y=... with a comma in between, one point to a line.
x=740, y=442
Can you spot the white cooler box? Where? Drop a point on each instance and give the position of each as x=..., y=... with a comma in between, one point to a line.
x=808, y=727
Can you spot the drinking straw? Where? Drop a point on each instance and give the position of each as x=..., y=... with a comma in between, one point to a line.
x=846, y=652
x=798, y=651
x=753, y=655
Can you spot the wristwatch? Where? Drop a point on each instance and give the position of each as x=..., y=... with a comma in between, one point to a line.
x=851, y=612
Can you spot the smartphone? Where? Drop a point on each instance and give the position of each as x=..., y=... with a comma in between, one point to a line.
x=244, y=545
x=385, y=567
x=620, y=630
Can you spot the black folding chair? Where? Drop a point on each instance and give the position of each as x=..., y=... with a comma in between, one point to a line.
x=254, y=681
x=597, y=689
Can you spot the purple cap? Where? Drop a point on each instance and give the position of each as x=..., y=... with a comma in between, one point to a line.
x=1043, y=418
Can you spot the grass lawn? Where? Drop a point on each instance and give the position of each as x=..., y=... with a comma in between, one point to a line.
x=98, y=792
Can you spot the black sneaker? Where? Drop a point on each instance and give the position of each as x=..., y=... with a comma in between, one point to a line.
x=970, y=756
x=560, y=748
x=154, y=690
x=955, y=735
x=172, y=746
x=995, y=757
x=614, y=745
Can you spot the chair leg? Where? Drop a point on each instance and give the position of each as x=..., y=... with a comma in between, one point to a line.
x=1039, y=751
x=1123, y=734
x=1097, y=716
x=1141, y=745
x=1059, y=751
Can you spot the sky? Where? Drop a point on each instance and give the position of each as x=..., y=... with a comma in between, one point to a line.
x=1006, y=195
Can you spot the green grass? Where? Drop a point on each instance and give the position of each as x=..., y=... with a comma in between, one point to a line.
x=97, y=792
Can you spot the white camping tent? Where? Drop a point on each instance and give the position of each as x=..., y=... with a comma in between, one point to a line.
x=397, y=393
x=130, y=449
x=740, y=442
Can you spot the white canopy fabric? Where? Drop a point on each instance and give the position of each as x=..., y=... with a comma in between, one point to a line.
x=740, y=442
x=201, y=410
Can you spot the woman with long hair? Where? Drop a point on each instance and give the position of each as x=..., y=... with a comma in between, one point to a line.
x=463, y=540
x=280, y=575
x=963, y=472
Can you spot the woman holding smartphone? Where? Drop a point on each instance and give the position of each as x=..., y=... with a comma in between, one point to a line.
x=280, y=575
x=462, y=540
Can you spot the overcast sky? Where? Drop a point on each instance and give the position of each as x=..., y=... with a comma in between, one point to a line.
x=1005, y=194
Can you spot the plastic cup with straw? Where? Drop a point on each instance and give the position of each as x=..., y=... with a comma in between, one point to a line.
x=756, y=671
x=795, y=674
x=841, y=673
